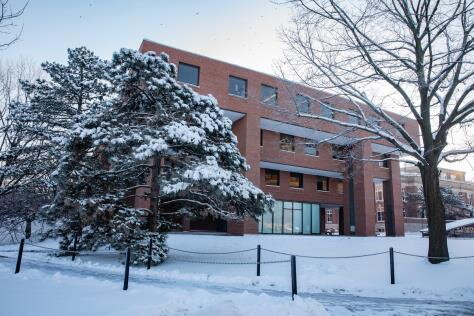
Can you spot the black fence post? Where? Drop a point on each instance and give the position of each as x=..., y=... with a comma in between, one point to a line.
x=258, y=259
x=74, y=248
x=150, y=246
x=127, y=268
x=20, y=254
x=294, y=288
x=392, y=267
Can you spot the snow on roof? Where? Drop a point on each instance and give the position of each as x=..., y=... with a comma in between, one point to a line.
x=455, y=224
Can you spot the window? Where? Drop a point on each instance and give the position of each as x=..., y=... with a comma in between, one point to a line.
x=329, y=216
x=338, y=152
x=287, y=142
x=272, y=177
x=378, y=187
x=296, y=180
x=237, y=86
x=326, y=111
x=261, y=137
x=311, y=147
x=289, y=217
x=340, y=186
x=268, y=94
x=383, y=161
x=322, y=183
x=354, y=119
x=380, y=212
x=188, y=73
x=302, y=103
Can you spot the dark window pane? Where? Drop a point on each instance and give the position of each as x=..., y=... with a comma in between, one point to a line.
x=268, y=95
x=272, y=177
x=326, y=112
x=302, y=103
x=287, y=142
x=237, y=86
x=296, y=180
x=310, y=147
x=188, y=73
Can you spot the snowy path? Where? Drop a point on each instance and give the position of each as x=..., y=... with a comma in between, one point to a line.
x=335, y=303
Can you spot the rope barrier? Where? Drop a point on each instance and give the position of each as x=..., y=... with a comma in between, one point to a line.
x=327, y=257
x=212, y=253
x=428, y=257
x=227, y=262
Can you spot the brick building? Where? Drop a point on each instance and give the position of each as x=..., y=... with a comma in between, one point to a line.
x=452, y=179
x=308, y=180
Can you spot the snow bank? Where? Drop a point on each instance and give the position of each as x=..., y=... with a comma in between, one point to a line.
x=35, y=293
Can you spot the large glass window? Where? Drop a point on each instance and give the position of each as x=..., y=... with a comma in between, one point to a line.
x=322, y=183
x=297, y=218
x=306, y=218
x=287, y=217
x=287, y=142
x=296, y=180
x=268, y=94
x=315, y=226
x=302, y=103
x=238, y=86
x=291, y=218
x=278, y=217
x=188, y=73
x=272, y=177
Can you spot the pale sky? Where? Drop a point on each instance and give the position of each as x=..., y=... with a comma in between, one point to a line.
x=242, y=32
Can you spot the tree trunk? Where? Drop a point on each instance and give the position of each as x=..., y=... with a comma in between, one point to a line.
x=154, y=194
x=28, y=228
x=435, y=211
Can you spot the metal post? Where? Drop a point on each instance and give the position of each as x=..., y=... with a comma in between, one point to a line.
x=74, y=248
x=294, y=288
x=258, y=259
x=150, y=246
x=20, y=254
x=127, y=268
x=392, y=267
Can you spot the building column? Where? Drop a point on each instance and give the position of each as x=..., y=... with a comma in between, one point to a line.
x=395, y=196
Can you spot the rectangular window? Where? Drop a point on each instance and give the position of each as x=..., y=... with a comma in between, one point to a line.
x=383, y=161
x=340, y=187
x=311, y=147
x=315, y=227
x=322, y=183
x=267, y=222
x=287, y=142
x=329, y=216
x=380, y=214
x=306, y=218
x=326, y=111
x=278, y=217
x=272, y=177
x=287, y=217
x=302, y=103
x=338, y=152
x=296, y=180
x=268, y=94
x=297, y=218
x=238, y=86
x=188, y=73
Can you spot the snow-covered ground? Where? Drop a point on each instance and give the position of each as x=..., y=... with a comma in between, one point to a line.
x=344, y=286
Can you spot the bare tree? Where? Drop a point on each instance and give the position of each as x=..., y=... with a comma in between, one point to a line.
x=7, y=23
x=414, y=57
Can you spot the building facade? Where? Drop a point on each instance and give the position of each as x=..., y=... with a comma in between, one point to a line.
x=452, y=179
x=316, y=189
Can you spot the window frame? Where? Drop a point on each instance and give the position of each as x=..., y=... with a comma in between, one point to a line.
x=262, y=86
x=325, y=180
x=191, y=66
x=275, y=172
x=300, y=177
x=308, y=144
x=307, y=99
x=292, y=143
x=237, y=95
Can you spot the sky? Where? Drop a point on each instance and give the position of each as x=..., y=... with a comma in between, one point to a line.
x=243, y=32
